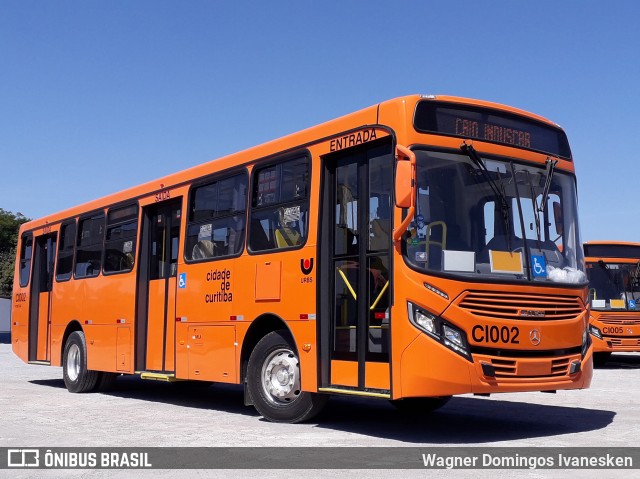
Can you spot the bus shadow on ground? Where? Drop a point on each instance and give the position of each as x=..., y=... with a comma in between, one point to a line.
x=5, y=338
x=622, y=361
x=464, y=420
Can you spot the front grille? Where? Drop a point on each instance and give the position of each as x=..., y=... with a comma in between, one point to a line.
x=523, y=369
x=623, y=343
x=504, y=368
x=628, y=319
x=520, y=306
x=559, y=367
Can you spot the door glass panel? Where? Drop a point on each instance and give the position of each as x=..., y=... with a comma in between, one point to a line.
x=380, y=202
x=346, y=312
x=46, y=277
x=378, y=314
x=346, y=218
x=174, y=240
x=158, y=247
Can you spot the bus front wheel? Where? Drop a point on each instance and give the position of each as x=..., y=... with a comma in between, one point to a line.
x=273, y=379
x=77, y=378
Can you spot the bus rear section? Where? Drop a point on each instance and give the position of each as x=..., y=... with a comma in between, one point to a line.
x=613, y=268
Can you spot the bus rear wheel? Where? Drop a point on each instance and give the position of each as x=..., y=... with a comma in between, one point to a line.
x=420, y=406
x=77, y=378
x=273, y=380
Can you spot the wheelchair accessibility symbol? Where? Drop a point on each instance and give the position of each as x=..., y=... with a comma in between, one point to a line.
x=182, y=280
x=539, y=268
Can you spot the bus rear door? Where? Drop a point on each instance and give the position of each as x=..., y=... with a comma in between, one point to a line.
x=155, y=330
x=40, y=301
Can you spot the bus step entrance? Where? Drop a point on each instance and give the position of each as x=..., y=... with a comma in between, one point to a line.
x=169, y=378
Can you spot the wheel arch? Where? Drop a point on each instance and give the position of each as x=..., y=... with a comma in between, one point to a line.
x=73, y=326
x=260, y=327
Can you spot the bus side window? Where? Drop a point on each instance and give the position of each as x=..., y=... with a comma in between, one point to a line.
x=217, y=215
x=279, y=213
x=120, y=241
x=25, y=259
x=89, y=246
x=65, y=251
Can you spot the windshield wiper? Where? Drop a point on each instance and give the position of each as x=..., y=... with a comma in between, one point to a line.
x=536, y=207
x=551, y=166
x=541, y=208
x=498, y=190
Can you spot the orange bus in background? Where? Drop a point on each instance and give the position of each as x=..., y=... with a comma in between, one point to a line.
x=424, y=247
x=613, y=268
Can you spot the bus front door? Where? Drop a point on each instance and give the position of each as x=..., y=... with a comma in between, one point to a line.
x=40, y=301
x=355, y=251
x=155, y=334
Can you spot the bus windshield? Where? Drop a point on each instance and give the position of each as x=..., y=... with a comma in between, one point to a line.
x=614, y=286
x=494, y=218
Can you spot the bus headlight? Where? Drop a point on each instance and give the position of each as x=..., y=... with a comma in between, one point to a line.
x=440, y=330
x=426, y=321
x=595, y=331
x=586, y=341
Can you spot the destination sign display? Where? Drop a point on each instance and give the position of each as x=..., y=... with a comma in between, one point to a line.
x=611, y=251
x=487, y=124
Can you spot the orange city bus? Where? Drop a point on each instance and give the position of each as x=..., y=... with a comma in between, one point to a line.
x=460, y=271
x=613, y=268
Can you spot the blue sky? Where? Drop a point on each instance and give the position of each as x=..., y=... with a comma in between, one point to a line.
x=97, y=96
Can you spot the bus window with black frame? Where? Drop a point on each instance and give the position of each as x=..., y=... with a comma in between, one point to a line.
x=64, y=267
x=89, y=246
x=280, y=206
x=120, y=241
x=25, y=260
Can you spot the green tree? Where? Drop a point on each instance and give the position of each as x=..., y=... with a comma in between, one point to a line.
x=9, y=226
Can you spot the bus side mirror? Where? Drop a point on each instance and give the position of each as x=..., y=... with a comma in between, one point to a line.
x=404, y=180
x=405, y=187
x=557, y=217
x=405, y=177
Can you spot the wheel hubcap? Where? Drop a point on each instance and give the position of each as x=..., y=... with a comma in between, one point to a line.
x=73, y=362
x=281, y=377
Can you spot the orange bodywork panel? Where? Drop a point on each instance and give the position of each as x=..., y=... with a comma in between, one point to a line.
x=123, y=350
x=268, y=278
x=212, y=353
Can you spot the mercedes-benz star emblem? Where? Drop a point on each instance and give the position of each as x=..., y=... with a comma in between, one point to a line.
x=534, y=336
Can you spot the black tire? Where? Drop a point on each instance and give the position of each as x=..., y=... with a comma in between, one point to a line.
x=273, y=381
x=77, y=377
x=420, y=406
x=600, y=359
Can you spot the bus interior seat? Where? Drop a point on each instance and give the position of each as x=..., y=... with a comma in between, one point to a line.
x=285, y=234
x=203, y=249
